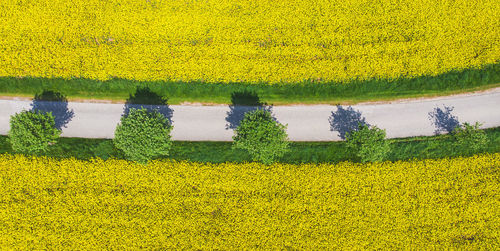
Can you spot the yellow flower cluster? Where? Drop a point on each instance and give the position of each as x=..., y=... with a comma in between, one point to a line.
x=115, y=204
x=246, y=40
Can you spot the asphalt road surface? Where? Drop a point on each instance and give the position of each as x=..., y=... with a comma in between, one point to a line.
x=305, y=122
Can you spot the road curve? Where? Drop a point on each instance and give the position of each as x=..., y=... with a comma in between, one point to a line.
x=305, y=122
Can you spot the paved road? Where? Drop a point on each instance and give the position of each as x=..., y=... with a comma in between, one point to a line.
x=305, y=122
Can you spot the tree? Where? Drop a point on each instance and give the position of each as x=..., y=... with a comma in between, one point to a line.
x=31, y=132
x=369, y=144
x=262, y=136
x=143, y=135
x=470, y=137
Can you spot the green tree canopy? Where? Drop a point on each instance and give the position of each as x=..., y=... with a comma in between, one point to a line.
x=263, y=137
x=470, y=137
x=32, y=132
x=143, y=135
x=369, y=144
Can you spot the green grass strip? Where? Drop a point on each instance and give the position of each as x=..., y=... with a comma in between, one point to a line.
x=456, y=81
x=300, y=152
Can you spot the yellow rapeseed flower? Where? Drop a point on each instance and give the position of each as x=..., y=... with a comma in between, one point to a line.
x=115, y=204
x=246, y=40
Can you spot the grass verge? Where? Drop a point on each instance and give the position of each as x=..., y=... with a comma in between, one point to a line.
x=300, y=152
x=118, y=90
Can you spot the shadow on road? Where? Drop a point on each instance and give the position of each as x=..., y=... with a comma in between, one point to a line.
x=145, y=98
x=56, y=103
x=241, y=103
x=345, y=120
x=443, y=120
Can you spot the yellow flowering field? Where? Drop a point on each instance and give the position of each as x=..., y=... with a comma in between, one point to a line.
x=115, y=204
x=246, y=40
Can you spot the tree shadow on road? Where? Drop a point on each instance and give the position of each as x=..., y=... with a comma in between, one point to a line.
x=443, y=120
x=145, y=98
x=241, y=103
x=56, y=103
x=345, y=120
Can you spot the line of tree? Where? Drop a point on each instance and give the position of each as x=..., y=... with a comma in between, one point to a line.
x=144, y=135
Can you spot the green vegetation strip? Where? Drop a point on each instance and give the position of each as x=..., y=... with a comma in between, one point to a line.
x=300, y=152
x=456, y=81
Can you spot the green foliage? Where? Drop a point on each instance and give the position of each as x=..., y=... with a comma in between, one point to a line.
x=429, y=147
x=334, y=92
x=369, y=144
x=143, y=135
x=263, y=137
x=470, y=137
x=31, y=132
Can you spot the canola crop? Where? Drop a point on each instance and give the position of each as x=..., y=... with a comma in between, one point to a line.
x=284, y=41
x=115, y=204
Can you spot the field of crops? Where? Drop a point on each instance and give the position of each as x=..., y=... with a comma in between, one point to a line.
x=246, y=40
x=114, y=204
